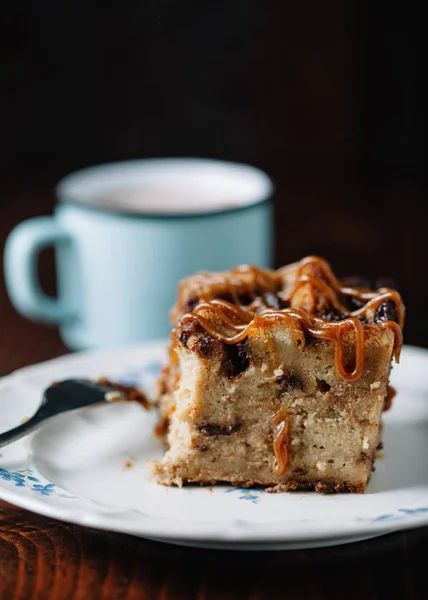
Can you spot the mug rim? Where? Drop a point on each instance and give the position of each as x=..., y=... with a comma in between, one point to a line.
x=66, y=197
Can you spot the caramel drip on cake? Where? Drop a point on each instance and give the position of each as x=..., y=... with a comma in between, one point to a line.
x=173, y=358
x=299, y=320
x=391, y=392
x=281, y=438
x=398, y=337
x=231, y=323
x=316, y=271
x=244, y=279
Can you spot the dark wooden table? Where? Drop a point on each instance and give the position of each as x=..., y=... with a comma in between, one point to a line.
x=41, y=558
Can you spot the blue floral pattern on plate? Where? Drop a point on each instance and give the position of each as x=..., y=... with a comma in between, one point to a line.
x=402, y=513
x=26, y=478
x=247, y=494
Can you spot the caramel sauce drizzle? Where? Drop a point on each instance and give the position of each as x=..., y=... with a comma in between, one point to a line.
x=161, y=428
x=317, y=272
x=390, y=395
x=173, y=359
x=210, y=285
x=398, y=337
x=231, y=323
x=281, y=439
x=299, y=320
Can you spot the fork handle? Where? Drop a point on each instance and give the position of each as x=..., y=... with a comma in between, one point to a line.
x=19, y=432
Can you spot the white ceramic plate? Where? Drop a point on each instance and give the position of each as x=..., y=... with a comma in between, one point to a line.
x=89, y=467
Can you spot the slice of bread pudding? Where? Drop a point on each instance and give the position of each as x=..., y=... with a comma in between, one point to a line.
x=277, y=378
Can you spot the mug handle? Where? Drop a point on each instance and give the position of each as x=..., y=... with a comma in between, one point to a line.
x=20, y=269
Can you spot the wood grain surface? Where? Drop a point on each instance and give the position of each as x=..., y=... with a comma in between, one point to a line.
x=45, y=559
x=41, y=558
x=328, y=98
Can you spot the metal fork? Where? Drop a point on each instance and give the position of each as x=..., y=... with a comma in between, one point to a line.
x=59, y=398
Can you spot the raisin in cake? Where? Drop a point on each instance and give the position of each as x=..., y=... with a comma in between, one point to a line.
x=277, y=378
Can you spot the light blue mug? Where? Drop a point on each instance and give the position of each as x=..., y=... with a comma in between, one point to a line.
x=126, y=233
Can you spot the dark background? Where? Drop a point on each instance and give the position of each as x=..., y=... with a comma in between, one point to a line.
x=327, y=97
